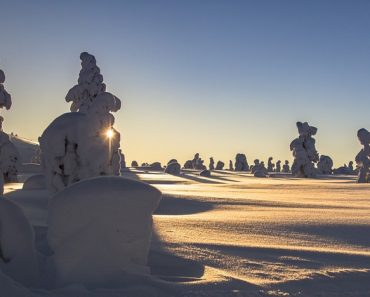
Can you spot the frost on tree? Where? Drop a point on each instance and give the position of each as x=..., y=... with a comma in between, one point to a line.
x=9, y=155
x=83, y=143
x=270, y=165
x=363, y=157
x=278, y=166
x=325, y=165
x=241, y=163
x=304, y=151
x=211, y=164
x=220, y=165
x=5, y=98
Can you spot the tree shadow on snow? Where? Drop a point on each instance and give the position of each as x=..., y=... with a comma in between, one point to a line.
x=200, y=179
x=345, y=234
x=171, y=205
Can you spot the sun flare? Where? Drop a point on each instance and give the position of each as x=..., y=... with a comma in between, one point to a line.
x=110, y=133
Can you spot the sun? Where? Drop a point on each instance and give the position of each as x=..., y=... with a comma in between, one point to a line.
x=110, y=133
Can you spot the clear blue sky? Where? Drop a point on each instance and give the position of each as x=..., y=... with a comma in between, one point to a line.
x=214, y=77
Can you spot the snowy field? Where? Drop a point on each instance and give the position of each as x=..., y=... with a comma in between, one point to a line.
x=236, y=235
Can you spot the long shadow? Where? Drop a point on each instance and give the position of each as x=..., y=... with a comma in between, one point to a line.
x=264, y=258
x=178, y=273
x=171, y=205
x=347, y=234
x=199, y=179
x=339, y=284
x=166, y=182
x=304, y=258
x=223, y=179
x=350, y=178
x=187, y=275
x=171, y=267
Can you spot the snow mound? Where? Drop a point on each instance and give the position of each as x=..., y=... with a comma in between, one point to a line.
x=100, y=229
x=205, y=173
x=35, y=182
x=30, y=168
x=17, y=249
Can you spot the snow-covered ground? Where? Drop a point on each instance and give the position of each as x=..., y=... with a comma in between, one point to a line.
x=237, y=235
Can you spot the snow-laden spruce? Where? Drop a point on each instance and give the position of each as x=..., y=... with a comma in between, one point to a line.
x=325, y=165
x=241, y=163
x=5, y=97
x=363, y=157
x=9, y=155
x=304, y=151
x=100, y=230
x=9, y=158
x=83, y=143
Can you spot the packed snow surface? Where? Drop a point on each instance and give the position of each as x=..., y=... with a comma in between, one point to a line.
x=235, y=235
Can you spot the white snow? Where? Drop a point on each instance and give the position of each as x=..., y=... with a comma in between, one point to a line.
x=83, y=143
x=35, y=182
x=100, y=229
x=17, y=244
x=88, y=152
x=232, y=234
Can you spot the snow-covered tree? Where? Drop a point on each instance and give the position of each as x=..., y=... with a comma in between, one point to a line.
x=83, y=143
x=9, y=155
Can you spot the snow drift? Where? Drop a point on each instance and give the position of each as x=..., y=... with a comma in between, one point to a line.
x=100, y=229
x=17, y=244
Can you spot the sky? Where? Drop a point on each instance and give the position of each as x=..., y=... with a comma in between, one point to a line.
x=213, y=77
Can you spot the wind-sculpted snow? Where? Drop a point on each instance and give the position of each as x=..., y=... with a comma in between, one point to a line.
x=234, y=235
x=18, y=258
x=100, y=229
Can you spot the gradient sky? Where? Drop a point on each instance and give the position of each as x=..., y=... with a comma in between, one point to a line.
x=214, y=77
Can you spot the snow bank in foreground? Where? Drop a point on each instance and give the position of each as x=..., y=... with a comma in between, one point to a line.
x=35, y=182
x=17, y=249
x=100, y=229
